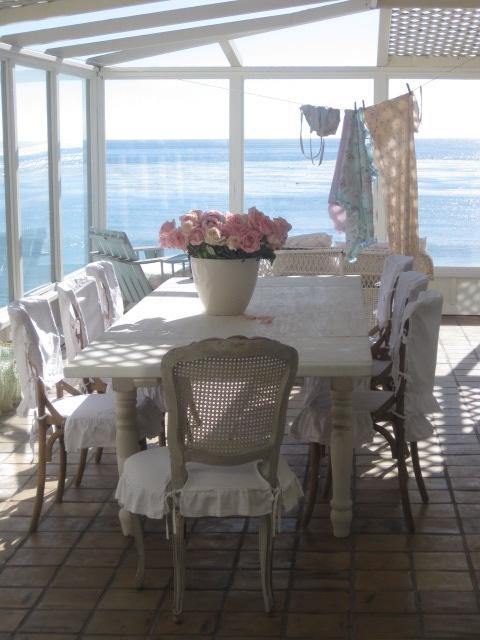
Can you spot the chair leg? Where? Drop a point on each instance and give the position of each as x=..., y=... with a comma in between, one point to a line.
x=41, y=476
x=417, y=469
x=314, y=459
x=81, y=467
x=138, y=535
x=265, y=542
x=178, y=537
x=98, y=455
x=327, y=487
x=63, y=469
x=403, y=475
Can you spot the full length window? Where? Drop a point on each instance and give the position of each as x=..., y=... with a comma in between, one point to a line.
x=167, y=152
x=4, y=291
x=73, y=172
x=448, y=156
x=31, y=106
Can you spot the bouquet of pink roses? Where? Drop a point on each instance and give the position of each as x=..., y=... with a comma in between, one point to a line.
x=211, y=234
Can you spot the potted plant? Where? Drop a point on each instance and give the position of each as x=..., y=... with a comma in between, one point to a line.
x=224, y=251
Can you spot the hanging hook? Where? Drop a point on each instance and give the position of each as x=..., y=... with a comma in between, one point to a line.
x=408, y=87
x=355, y=104
x=363, y=104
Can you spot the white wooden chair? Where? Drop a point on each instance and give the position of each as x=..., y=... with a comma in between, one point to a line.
x=77, y=421
x=227, y=402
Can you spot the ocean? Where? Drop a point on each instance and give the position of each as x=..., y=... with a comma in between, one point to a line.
x=150, y=181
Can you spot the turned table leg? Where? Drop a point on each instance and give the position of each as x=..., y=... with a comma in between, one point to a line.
x=127, y=435
x=341, y=455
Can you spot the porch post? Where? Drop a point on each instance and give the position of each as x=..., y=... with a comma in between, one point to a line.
x=236, y=144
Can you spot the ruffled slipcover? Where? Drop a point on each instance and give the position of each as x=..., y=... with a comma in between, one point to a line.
x=210, y=490
x=109, y=292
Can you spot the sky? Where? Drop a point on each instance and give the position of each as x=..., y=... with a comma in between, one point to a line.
x=166, y=109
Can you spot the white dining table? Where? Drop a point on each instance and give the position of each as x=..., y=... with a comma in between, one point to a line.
x=322, y=317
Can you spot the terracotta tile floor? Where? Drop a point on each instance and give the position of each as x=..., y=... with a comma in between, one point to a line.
x=73, y=578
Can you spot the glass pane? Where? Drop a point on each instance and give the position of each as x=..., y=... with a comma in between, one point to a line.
x=4, y=290
x=167, y=152
x=279, y=180
x=448, y=157
x=349, y=40
x=73, y=171
x=31, y=104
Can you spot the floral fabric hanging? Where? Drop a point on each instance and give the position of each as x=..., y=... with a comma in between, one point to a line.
x=350, y=201
x=392, y=125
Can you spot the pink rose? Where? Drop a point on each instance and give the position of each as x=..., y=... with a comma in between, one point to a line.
x=176, y=240
x=274, y=241
x=212, y=219
x=250, y=241
x=213, y=236
x=235, y=224
x=165, y=231
x=196, y=237
x=233, y=243
x=282, y=226
x=255, y=218
x=192, y=217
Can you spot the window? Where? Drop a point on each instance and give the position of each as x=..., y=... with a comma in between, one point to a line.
x=31, y=106
x=448, y=155
x=167, y=152
x=73, y=172
x=278, y=179
x=4, y=288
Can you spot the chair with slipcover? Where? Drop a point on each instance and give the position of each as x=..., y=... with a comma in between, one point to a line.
x=406, y=405
x=109, y=292
x=313, y=423
x=77, y=421
x=227, y=402
x=83, y=321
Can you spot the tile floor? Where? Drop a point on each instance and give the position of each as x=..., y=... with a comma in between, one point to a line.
x=73, y=578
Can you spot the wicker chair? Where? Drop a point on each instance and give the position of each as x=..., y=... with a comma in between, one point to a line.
x=227, y=402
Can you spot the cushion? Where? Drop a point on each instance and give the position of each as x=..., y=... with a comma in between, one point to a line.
x=91, y=420
x=210, y=490
x=309, y=241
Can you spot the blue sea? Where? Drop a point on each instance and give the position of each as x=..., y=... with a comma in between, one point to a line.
x=150, y=181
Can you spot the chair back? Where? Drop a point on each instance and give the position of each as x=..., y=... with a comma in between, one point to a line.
x=393, y=266
x=115, y=247
x=414, y=363
x=80, y=312
x=407, y=289
x=306, y=262
x=227, y=402
x=37, y=348
x=109, y=293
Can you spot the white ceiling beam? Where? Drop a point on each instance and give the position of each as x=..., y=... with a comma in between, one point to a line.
x=63, y=8
x=383, y=36
x=231, y=53
x=457, y=64
x=428, y=4
x=422, y=71
x=137, y=47
x=150, y=20
x=43, y=61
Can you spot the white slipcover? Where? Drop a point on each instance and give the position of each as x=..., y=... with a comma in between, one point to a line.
x=409, y=286
x=109, y=293
x=394, y=265
x=210, y=490
x=36, y=346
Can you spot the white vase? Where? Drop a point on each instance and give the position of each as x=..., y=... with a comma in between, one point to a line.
x=224, y=286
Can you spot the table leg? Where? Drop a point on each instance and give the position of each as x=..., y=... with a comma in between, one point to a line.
x=127, y=435
x=341, y=454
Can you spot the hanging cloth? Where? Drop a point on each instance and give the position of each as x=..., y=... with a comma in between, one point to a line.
x=350, y=201
x=391, y=125
x=321, y=120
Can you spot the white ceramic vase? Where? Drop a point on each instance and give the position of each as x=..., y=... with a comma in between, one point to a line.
x=225, y=286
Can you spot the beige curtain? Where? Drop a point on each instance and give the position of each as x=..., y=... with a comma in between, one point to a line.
x=392, y=125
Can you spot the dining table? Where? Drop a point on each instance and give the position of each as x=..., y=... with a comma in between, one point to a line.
x=322, y=317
